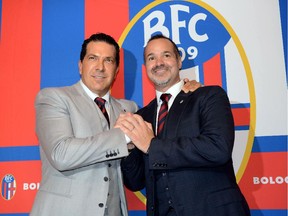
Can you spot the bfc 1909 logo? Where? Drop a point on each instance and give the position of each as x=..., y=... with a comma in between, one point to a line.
x=211, y=53
x=8, y=187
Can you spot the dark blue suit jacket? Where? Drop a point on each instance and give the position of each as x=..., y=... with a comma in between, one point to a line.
x=195, y=152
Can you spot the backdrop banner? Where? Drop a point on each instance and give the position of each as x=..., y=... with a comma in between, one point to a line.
x=238, y=45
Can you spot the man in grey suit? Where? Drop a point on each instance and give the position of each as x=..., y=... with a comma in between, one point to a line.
x=80, y=154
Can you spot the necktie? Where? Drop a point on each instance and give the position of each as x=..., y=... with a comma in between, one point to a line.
x=101, y=104
x=163, y=112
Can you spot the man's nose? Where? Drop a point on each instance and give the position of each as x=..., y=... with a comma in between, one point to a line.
x=100, y=65
x=159, y=61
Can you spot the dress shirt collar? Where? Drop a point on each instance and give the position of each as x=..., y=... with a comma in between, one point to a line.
x=92, y=95
x=173, y=90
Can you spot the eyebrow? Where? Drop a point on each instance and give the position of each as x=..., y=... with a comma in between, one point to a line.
x=164, y=52
x=95, y=55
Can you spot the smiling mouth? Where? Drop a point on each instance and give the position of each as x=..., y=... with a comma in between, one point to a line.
x=98, y=76
x=159, y=72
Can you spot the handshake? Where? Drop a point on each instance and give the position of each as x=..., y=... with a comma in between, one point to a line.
x=139, y=131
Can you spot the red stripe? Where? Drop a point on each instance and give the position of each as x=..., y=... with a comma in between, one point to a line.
x=134, y=203
x=110, y=17
x=20, y=59
x=118, y=87
x=212, y=71
x=149, y=93
x=268, y=195
x=5, y=190
x=241, y=116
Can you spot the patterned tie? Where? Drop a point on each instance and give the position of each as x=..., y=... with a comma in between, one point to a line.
x=101, y=104
x=163, y=112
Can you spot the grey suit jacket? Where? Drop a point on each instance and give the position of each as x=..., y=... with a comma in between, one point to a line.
x=75, y=149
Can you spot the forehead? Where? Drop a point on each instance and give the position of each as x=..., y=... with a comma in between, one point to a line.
x=100, y=48
x=158, y=46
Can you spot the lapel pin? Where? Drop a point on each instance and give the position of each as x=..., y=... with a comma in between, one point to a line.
x=181, y=101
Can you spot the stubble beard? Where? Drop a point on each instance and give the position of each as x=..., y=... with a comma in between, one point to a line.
x=160, y=83
x=154, y=77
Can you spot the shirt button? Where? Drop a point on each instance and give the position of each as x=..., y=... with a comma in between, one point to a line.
x=101, y=205
x=106, y=179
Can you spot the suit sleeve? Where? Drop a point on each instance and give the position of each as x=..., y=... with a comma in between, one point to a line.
x=204, y=134
x=64, y=147
x=133, y=170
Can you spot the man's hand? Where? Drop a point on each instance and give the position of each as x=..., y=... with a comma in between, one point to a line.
x=190, y=85
x=139, y=131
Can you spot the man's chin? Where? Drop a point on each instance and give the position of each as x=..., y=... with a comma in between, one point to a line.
x=161, y=83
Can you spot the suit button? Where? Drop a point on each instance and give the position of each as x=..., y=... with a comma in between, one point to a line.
x=101, y=205
x=164, y=174
x=109, y=165
x=106, y=179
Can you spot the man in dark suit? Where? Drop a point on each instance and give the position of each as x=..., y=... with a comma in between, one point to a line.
x=187, y=166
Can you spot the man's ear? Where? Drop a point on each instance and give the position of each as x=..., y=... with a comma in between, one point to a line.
x=80, y=67
x=179, y=63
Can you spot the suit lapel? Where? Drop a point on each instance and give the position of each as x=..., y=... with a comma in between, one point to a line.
x=154, y=116
x=150, y=112
x=175, y=113
x=81, y=95
x=115, y=107
x=115, y=110
x=88, y=106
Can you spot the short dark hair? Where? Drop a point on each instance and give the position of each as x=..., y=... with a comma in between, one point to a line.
x=102, y=37
x=160, y=36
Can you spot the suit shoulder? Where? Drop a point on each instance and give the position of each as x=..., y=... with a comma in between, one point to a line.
x=209, y=93
x=62, y=90
x=213, y=89
x=55, y=90
x=46, y=92
x=53, y=94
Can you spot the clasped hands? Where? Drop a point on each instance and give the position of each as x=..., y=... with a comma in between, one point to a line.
x=139, y=131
